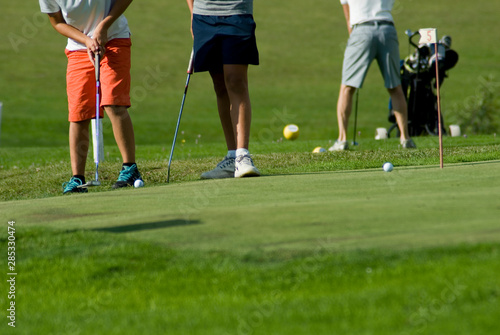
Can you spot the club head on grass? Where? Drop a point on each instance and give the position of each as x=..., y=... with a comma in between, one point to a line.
x=90, y=183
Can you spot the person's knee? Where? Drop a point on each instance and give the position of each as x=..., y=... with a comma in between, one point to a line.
x=120, y=112
x=398, y=98
x=236, y=83
x=219, y=84
x=220, y=88
x=348, y=90
x=396, y=92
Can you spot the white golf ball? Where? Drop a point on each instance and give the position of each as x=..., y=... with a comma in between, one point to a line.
x=138, y=183
x=388, y=167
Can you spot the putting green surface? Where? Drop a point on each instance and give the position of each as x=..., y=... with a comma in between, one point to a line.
x=406, y=208
x=413, y=251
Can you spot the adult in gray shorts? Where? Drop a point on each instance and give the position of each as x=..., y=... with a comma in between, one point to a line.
x=371, y=36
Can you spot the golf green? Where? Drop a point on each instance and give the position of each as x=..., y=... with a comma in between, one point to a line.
x=408, y=207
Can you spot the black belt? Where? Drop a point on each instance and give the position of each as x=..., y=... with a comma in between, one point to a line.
x=375, y=23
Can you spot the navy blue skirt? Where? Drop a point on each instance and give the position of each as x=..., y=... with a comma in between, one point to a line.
x=220, y=40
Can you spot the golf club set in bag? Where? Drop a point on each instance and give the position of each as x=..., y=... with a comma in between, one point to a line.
x=418, y=80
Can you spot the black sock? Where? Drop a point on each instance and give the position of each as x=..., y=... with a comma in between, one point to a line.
x=82, y=178
x=128, y=164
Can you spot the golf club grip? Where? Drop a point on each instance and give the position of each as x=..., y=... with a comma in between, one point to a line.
x=97, y=65
x=190, y=66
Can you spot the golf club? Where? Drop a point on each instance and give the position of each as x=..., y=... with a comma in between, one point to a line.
x=408, y=33
x=1, y=117
x=97, y=65
x=355, y=117
x=189, y=72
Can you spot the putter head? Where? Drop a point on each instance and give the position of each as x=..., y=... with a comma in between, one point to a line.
x=354, y=143
x=90, y=183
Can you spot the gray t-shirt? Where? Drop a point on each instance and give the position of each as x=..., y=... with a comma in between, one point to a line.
x=222, y=7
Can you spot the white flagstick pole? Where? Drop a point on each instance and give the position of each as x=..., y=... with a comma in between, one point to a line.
x=439, y=108
x=1, y=105
x=429, y=35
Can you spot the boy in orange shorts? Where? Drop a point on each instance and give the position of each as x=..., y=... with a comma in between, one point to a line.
x=96, y=26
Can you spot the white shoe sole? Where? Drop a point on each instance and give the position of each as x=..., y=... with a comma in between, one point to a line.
x=250, y=172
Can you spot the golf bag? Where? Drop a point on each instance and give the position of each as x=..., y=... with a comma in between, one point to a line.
x=418, y=80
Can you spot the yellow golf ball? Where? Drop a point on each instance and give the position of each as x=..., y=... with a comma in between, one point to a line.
x=291, y=132
x=318, y=150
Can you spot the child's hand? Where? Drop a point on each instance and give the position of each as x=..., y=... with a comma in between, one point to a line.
x=93, y=47
x=101, y=35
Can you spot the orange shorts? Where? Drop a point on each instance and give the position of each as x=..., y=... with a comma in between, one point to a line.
x=114, y=77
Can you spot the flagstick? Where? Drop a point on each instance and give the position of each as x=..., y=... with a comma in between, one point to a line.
x=429, y=35
x=439, y=108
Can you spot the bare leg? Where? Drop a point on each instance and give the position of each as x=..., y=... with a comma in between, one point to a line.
x=344, y=108
x=224, y=108
x=400, y=110
x=78, y=146
x=123, y=131
x=236, y=79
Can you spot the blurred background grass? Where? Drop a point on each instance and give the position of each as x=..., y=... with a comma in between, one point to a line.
x=301, y=47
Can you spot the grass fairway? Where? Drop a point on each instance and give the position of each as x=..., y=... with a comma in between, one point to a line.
x=414, y=251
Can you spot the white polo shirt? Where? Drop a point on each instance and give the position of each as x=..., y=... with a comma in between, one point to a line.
x=369, y=10
x=85, y=16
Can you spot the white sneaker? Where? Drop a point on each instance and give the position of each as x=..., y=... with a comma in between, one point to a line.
x=339, y=146
x=244, y=167
x=224, y=169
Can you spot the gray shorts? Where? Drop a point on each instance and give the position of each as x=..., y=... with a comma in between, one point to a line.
x=365, y=44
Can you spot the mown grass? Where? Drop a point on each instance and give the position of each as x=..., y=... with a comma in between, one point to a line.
x=89, y=282
x=332, y=262
x=28, y=173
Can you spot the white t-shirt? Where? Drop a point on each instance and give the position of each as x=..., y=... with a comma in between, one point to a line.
x=85, y=16
x=368, y=10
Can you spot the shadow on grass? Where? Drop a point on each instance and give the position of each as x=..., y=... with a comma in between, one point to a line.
x=147, y=226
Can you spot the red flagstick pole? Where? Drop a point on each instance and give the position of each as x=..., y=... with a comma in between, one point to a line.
x=439, y=108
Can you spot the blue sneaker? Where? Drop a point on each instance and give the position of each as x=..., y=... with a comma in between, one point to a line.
x=128, y=175
x=71, y=186
x=224, y=169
